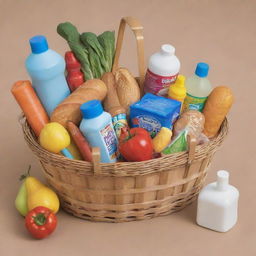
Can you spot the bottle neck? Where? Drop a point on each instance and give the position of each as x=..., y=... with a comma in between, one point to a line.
x=222, y=180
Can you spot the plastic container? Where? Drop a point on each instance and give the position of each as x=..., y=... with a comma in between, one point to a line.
x=153, y=112
x=198, y=88
x=217, y=204
x=74, y=75
x=163, y=69
x=97, y=128
x=46, y=68
x=178, y=91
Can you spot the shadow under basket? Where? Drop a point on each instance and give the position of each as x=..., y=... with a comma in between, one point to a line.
x=126, y=191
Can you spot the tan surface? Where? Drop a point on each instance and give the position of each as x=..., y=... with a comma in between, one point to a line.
x=221, y=33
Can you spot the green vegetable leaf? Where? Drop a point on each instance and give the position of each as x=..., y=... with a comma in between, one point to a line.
x=69, y=32
x=90, y=40
x=95, y=64
x=107, y=41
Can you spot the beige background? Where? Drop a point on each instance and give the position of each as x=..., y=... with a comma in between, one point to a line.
x=221, y=33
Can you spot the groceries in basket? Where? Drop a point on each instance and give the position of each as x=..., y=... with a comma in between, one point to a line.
x=105, y=109
x=120, y=159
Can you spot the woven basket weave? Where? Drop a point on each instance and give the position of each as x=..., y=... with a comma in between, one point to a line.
x=127, y=191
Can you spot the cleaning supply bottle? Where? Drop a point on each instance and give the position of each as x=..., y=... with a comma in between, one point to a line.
x=163, y=69
x=97, y=128
x=46, y=68
x=198, y=88
x=217, y=204
x=178, y=91
x=74, y=75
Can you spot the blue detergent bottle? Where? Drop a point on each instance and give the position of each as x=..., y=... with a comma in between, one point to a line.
x=46, y=69
x=97, y=128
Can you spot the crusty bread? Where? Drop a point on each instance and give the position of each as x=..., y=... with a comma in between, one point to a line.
x=216, y=108
x=111, y=101
x=69, y=109
x=127, y=88
x=192, y=120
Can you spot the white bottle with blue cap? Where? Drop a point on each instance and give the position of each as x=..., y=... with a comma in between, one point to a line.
x=97, y=128
x=46, y=69
x=217, y=204
x=198, y=88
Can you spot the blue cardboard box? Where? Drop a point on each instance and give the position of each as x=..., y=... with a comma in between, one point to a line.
x=152, y=112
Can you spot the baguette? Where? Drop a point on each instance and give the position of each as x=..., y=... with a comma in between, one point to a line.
x=127, y=88
x=216, y=108
x=69, y=109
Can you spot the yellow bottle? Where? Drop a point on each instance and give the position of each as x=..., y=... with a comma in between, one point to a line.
x=178, y=90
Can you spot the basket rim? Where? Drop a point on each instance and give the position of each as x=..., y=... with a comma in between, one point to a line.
x=181, y=158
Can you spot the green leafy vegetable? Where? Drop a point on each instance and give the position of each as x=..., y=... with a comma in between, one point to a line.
x=95, y=64
x=107, y=41
x=95, y=54
x=69, y=32
x=90, y=40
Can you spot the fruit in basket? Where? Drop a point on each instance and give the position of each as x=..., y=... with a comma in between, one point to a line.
x=54, y=137
x=40, y=195
x=40, y=222
x=21, y=200
x=135, y=144
x=162, y=139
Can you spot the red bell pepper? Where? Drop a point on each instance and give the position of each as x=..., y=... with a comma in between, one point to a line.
x=135, y=144
x=40, y=222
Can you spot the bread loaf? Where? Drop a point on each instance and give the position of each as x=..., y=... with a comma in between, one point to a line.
x=111, y=101
x=216, y=108
x=127, y=88
x=192, y=120
x=69, y=109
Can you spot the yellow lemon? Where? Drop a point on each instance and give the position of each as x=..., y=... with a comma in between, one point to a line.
x=54, y=137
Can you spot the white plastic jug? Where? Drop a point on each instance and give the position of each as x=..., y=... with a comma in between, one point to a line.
x=163, y=69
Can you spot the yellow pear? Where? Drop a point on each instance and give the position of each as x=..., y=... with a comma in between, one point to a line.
x=40, y=195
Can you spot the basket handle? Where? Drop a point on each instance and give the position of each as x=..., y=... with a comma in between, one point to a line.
x=137, y=29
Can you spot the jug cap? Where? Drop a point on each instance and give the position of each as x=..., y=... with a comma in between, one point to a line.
x=38, y=44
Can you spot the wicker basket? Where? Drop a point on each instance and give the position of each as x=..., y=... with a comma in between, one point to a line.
x=127, y=191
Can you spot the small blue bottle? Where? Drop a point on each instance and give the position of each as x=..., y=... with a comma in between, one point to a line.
x=97, y=128
x=46, y=69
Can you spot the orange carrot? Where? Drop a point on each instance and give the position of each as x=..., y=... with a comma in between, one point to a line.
x=80, y=141
x=30, y=105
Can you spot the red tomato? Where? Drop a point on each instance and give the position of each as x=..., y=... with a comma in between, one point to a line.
x=135, y=144
x=40, y=222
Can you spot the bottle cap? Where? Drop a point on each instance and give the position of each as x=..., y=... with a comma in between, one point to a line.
x=202, y=69
x=222, y=179
x=167, y=49
x=91, y=109
x=38, y=44
x=71, y=61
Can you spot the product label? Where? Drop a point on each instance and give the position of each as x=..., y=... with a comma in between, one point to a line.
x=110, y=140
x=119, y=121
x=192, y=102
x=149, y=123
x=158, y=84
